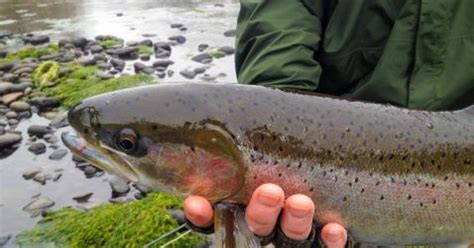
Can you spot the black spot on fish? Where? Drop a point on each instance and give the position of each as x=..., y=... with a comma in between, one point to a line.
x=421, y=204
x=344, y=199
x=458, y=185
x=167, y=104
x=409, y=197
x=356, y=180
x=467, y=161
x=362, y=190
x=279, y=174
x=382, y=197
x=434, y=201
x=311, y=189
x=377, y=183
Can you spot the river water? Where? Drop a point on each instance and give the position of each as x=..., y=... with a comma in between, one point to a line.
x=131, y=20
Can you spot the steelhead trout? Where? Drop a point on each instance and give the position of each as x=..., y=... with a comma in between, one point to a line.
x=391, y=176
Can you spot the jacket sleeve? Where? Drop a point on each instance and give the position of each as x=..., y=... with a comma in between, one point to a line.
x=277, y=41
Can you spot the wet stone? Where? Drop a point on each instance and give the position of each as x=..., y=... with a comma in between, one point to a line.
x=86, y=61
x=103, y=65
x=20, y=106
x=228, y=50
x=30, y=173
x=145, y=57
x=79, y=42
x=117, y=63
x=42, y=178
x=13, y=122
x=83, y=197
x=44, y=102
x=83, y=165
x=58, y=154
x=170, y=73
x=162, y=46
x=5, y=33
x=139, y=67
x=59, y=121
x=100, y=57
x=200, y=70
x=50, y=138
x=161, y=54
x=119, y=186
x=202, y=47
x=4, y=240
x=39, y=130
x=178, y=38
x=11, y=115
x=104, y=75
x=57, y=176
x=161, y=75
x=37, y=148
x=176, y=25
x=147, y=43
x=2, y=130
x=96, y=49
x=188, y=74
x=203, y=58
x=229, y=33
x=38, y=204
x=89, y=171
x=37, y=40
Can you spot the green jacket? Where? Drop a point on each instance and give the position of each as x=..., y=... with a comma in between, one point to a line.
x=411, y=53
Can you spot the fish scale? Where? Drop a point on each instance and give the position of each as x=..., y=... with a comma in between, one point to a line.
x=391, y=176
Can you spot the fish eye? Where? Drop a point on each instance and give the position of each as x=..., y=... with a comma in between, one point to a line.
x=127, y=140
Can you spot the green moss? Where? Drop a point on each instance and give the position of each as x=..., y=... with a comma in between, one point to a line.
x=46, y=72
x=128, y=225
x=145, y=50
x=109, y=43
x=82, y=83
x=32, y=52
x=216, y=54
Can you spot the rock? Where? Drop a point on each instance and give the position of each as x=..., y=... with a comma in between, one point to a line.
x=39, y=130
x=79, y=42
x=50, y=115
x=202, y=47
x=119, y=14
x=176, y=25
x=44, y=102
x=5, y=238
x=11, y=97
x=31, y=173
x=6, y=87
x=162, y=46
x=170, y=73
x=38, y=40
x=125, y=52
x=203, y=58
x=132, y=43
x=147, y=43
x=38, y=204
x=86, y=61
x=228, y=50
x=120, y=200
x=67, y=57
x=89, y=171
x=5, y=34
x=37, y=148
x=118, y=63
x=229, y=33
x=200, y=70
x=42, y=178
x=188, y=74
x=148, y=70
x=3, y=54
x=11, y=115
x=9, y=139
x=178, y=215
x=50, y=138
x=53, y=56
x=103, y=65
x=64, y=42
x=161, y=54
x=83, y=165
x=2, y=130
x=96, y=49
x=10, y=77
x=13, y=122
x=160, y=69
x=138, y=67
x=149, y=35
x=163, y=63
x=161, y=75
x=58, y=154
x=183, y=28
x=59, y=121
x=57, y=176
x=119, y=186
x=83, y=197
x=178, y=38
x=145, y=57
x=104, y=75
x=20, y=106
x=100, y=57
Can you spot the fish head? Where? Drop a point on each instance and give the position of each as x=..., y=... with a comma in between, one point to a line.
x=134, y=135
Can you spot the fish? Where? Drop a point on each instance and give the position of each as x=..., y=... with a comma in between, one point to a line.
x=389, y=175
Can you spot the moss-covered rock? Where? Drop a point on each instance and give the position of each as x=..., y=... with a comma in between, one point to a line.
x=109, y=43
x=132, y=224
x=145, y=50
x=82, y=82
x=46, y=72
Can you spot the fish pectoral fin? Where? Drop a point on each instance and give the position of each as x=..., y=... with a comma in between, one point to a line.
x=231, y=229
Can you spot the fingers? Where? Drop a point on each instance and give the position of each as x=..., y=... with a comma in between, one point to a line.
x=264, y=208
x=334, y=235
x=198, y=211
x=297, y=219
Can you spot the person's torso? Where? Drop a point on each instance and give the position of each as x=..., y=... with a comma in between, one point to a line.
x=412, y=53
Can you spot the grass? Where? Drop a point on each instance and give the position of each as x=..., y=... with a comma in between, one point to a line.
x=46, y=72
x=145, y=50
x=109, y=43
x=30, y=52
x=82, y=82
x=132, y=224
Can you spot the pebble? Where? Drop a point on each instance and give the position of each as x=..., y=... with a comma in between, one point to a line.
x=203, y=58
x=125, y=52
x=100, y=57
x=138, y=67
x=83, y=197
x=228, y=50
x=132, y=43
x=176, y=25
x=188, y=74
x=119, y=186
x=163, y=63
x=5, y=33
x=39, y=130
x=118, y=63
x=42, y=178
x=50, y=138
x=79, y=42
x=103, y=65
x=148, y=70
x=20, y=106
x=4, y=240
x=104, y=75
x=44, y=102
x=202, y=47
x=145, y=57
x=9, y=139
x=49, y=115
x=89, y=171
x=170, y=73
x=58, y=154
x=11, y=115
x=2, y=130
x=96, y=49
x=37, y=148
x=200, y=70
x=229, y=33
x=82, y=165
x=86, y=61
x=38, y=204
x=31, y=173
x=161, y=54
x=147, y=42
x=178, y=38
x=56, y=176
x=161, y=75
x=12, y=122
x=59, y=121
x=37, y=40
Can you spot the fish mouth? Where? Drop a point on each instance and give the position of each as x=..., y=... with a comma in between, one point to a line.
x=92, y=154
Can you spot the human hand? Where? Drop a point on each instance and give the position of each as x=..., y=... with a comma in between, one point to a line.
x=263, y=211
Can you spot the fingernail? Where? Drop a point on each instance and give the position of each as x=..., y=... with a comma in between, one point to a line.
x=268, y=199
x=298, y=212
